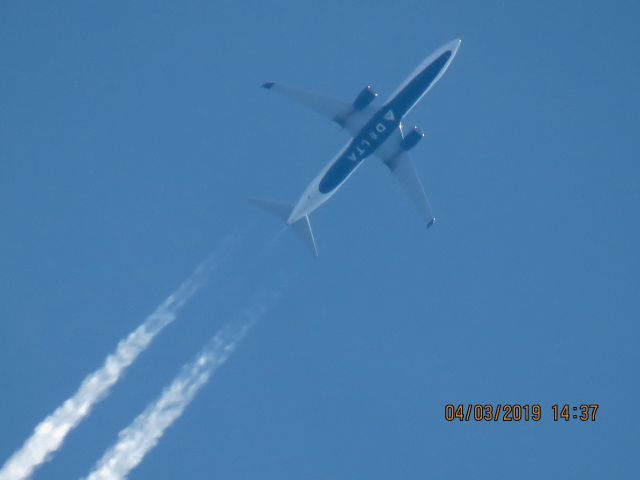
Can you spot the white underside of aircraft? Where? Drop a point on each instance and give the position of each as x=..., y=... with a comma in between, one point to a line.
x=377, y=130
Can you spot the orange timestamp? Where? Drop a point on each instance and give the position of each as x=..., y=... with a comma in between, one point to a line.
x=517, y=412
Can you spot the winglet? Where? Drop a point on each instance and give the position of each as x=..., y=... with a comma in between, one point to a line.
x=268, y=85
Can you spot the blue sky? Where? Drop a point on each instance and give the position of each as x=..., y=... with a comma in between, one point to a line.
x=131, y=135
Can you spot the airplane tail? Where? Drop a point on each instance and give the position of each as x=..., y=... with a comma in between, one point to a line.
x=302, y=228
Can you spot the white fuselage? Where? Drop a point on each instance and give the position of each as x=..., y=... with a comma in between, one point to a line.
x=376, y=130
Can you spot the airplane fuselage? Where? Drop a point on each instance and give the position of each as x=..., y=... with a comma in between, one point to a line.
x=374, y=133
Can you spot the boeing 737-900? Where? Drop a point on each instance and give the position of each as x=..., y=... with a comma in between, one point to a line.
x=375, y=130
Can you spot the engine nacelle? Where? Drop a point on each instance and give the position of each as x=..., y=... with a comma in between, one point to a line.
x=365, y=97
x=412, y=139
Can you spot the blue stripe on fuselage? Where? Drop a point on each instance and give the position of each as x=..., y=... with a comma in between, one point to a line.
x=412, y=92
x=381, y=125
x=372, y=135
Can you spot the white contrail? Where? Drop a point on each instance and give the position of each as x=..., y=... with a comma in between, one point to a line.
x=49, y=434
x=144, y=433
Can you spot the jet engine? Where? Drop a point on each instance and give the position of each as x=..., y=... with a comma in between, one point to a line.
x=412, y=138
x=365, y=97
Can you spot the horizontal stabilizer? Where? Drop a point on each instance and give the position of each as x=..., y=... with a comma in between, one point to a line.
x=302, y=228
x=278, y=209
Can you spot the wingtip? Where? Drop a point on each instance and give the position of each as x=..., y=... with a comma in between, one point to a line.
x=268, y=85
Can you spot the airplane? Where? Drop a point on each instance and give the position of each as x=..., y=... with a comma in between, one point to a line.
x=375, y=130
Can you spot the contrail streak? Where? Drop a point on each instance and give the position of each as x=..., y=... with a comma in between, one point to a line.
x=49, y=434
x=144, y=433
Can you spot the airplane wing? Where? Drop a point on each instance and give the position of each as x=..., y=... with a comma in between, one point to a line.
x=339, y=111
x=402, y=168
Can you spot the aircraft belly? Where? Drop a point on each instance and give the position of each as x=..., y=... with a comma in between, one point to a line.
x=372, y=135
x=337, y=174
x=371, y=127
